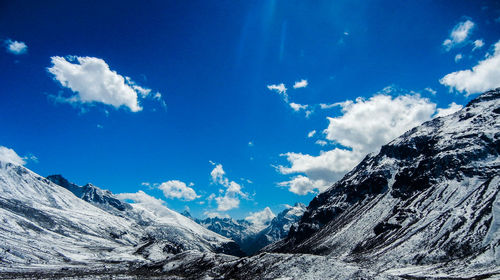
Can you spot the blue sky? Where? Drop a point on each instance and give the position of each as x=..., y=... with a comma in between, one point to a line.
x=203, y=119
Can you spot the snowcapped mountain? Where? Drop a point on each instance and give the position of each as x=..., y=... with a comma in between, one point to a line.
x=279, y=227
x=44, y=223
x=241, y=231
x=428, y=198
x=251, y=237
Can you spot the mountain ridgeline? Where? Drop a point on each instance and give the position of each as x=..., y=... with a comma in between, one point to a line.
x=250, y=237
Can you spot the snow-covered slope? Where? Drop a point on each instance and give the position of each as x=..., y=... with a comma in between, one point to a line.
x=429, y=197
x=44, y=223
x=165, y=231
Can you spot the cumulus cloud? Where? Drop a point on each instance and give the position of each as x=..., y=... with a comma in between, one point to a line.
x=484, y=76
x=178, y=189
x=458, y=35
x=9, y=155
x=452, y=108
x=94, y=82
x=302, y=185
x=364, y=126
x=367, y=124
x=229, y=198
x=311, y=133
x=145, y=201
x=16, y=47
x=262, y=218
x=478, y=44
x=458, y=57
x=281, y=89
x=300, y=84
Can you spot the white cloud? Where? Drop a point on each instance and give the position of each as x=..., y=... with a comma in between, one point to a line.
x=458, y=57
x=262, y=218
x=337, y=104
x=142, y=91
x=478, y=44
x=9, y=155
x=211, y=197
x=368, y=124
x=229, y=197
x=178, y=189
x=452, y=108
x=363, y=128
x=93, y=81
x=214, y=214
x=218, y=175
x=227, y=202
x=16, y=47
x=458, y=35
x=300, y=84
x=297, y=107
x=484, y=76
x=281, y=89
x=250, y=144
x=302, y=185
x=321, y=142
x=311, y=133
x=153, y=204
x=430, y=90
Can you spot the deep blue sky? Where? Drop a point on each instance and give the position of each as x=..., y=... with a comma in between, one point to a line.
x=212, y=62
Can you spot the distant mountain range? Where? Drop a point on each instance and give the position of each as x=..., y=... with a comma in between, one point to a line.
x=250, y=237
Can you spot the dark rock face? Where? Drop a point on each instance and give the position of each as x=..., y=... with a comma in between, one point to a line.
x=428, y=196
x=90, y=193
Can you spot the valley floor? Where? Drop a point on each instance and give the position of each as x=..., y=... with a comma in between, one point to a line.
x=197, y=265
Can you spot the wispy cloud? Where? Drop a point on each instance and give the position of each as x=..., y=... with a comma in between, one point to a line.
x=478, y=44
x=16, y=47
x=281, y=89
x=459, y=34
